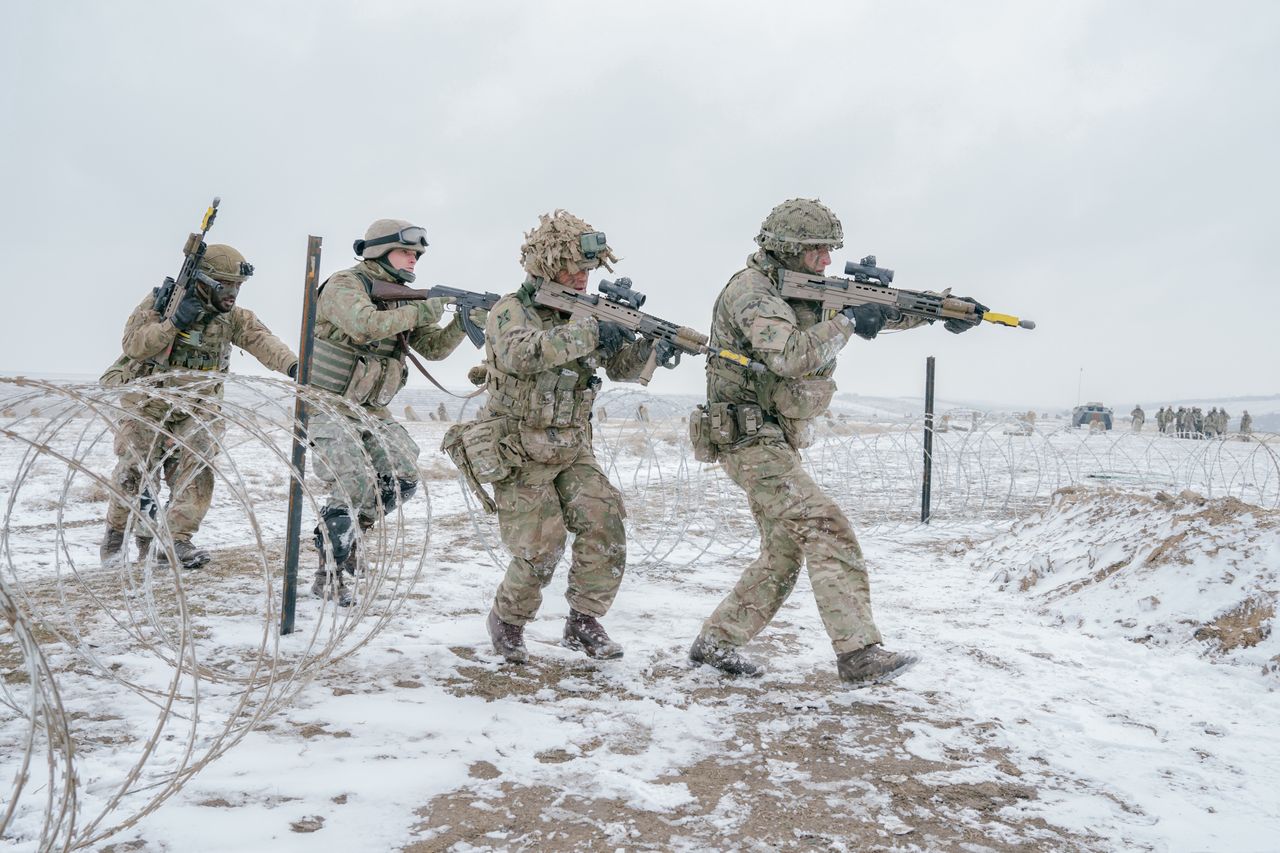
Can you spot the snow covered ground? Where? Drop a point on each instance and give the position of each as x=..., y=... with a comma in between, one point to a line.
x=1099, y=672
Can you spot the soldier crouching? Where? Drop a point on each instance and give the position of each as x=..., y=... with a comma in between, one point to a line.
x=532, y=440
x=359, y=353
x=162, y=438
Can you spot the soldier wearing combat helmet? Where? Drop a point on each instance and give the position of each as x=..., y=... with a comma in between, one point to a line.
x=359, y=353
x=765, y=420
x=206, y=325
x=532, y=440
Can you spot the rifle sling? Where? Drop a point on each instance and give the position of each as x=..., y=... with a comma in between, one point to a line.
x=404, y=341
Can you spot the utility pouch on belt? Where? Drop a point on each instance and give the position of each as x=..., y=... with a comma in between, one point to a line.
x=553, y=445
x=456, y=445
x=801, y=399
x=749, y=418
x=704, y=446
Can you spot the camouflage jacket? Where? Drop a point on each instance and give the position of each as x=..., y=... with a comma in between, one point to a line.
x=347, y=315
x=787, y=336
x=525, y=343
x=206, y=346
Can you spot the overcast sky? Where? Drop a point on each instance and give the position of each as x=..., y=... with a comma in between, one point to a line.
x=1109, y=170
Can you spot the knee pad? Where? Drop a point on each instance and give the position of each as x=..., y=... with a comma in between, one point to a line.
x=387, y=491
x=337, y=522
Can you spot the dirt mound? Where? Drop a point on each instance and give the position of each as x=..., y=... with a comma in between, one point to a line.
x=1159, y=569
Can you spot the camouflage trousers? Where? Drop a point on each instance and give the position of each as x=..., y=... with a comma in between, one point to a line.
x=145, y=455
x=349, y=457
x=537, y=506
x=797, y=522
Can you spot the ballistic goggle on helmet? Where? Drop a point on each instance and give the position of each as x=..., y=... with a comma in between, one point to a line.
x=387, y=234
x=562, y=241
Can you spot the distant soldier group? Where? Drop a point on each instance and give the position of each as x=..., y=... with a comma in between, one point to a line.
x=1193, y=423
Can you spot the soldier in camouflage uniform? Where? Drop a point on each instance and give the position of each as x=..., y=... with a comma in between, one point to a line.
x=1246, y=423
x=769, y=417
x=1139, y=417
x=359, y=353
x=535, y=433
x=199, y=337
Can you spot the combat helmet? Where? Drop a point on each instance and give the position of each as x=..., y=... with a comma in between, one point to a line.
x=798, y=225
x=562, y=241
x=224, y=263
x=387, y=234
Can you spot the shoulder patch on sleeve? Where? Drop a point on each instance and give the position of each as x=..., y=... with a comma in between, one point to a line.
x=768, y=334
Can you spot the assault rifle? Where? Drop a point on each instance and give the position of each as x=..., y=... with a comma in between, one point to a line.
x=465, y=301
x=174, y=290
x=868, y=283
x=620, y=304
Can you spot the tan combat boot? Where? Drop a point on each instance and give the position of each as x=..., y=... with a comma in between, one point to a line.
x=724, y=658
x=189, y=556
x=507, y=639
x=585, y=633
x=109, y=552
x=873, y=665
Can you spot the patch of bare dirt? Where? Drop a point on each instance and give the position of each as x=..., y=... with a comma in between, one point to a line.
x=803, y=774
x=1243, y=626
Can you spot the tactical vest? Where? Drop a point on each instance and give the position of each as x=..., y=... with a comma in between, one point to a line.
x=791, y=404
x=365, y=374
x=204, y=349
x=560, y=397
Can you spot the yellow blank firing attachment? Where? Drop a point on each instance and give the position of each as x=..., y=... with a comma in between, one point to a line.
x=1008, y=320
x=210, y=214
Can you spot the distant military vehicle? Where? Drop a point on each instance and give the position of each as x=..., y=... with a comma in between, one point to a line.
x=1088, y=413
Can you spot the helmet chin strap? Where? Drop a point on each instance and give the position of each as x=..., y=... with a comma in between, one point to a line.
x=406, y=276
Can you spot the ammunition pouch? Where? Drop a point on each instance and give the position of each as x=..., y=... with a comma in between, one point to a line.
x=725, y=424
x=704, y=449
x=556, y=401
x=365, y=377
x=552, y=399
x=192, y=352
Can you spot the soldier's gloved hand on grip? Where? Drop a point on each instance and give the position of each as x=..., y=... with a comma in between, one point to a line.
x=428, y=313
x=957, y=326
x=189, y=311
x=613, y=337
x=868, y=319
x=293, y=371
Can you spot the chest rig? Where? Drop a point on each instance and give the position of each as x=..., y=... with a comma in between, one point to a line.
x=208, y=348
x=556, y=398
x=365, y=374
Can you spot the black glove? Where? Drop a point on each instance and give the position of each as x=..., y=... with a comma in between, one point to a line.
x=189, y=311
x=957, y=326
x=293, y=371
x=869, y=319
x=613, y=337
